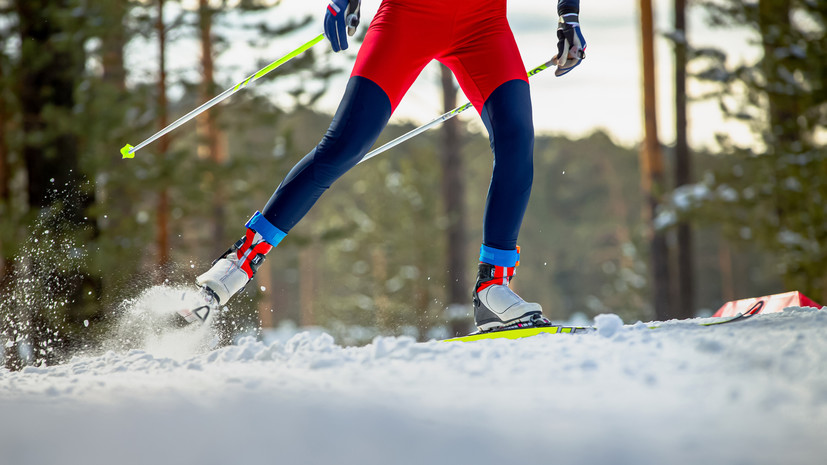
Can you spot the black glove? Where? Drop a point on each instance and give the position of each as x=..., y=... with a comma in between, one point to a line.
x=571, y=46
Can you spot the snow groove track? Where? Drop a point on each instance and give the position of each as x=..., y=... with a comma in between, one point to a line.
x=754, y=392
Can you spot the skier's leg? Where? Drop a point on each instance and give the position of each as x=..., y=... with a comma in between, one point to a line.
x=488, y=66
x=362, y=114
x=388, y=62
x=492, y=75
x=507, y=116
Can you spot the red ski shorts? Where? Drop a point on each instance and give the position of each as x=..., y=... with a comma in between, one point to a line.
x=471, y=37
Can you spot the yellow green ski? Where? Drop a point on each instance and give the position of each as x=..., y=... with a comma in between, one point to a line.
x=523, y=332
x=515, y=332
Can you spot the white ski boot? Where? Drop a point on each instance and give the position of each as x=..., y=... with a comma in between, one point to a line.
x=235, y=268
x=496, y=306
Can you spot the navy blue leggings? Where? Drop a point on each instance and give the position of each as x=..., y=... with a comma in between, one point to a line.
x=363, y=114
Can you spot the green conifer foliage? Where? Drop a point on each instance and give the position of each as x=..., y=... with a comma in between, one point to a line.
x=773, y=191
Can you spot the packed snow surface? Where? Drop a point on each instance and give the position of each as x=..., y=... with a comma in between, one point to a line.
x=751, y=392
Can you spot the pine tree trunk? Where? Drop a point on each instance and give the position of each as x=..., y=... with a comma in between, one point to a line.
x=5, y=192
x=113, y=43
x=47, y=79
x=379, y=269
x=49, y=64
x=308, y=260
x=617, y=203
x=113, y=91
x=453, y=197
x=264, y=278
x=783, y=108
x=652, y=167
x=728, y=292
x=787, y=135
x=5, y=176
x=775, y=26
x=209, y=146
x=162, y=232
x=685, y=307
x=278, y=295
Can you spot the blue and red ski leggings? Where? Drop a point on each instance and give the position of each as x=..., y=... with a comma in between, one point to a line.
x=472, y=38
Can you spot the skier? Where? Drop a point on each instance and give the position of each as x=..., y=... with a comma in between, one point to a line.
x=472, y=38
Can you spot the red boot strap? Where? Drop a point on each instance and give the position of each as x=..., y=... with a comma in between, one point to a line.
x=262, y=248
x=502, y=275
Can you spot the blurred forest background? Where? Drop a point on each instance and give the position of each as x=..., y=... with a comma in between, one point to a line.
x=650, y=231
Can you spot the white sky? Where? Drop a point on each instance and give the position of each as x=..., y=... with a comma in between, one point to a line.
x=603, y=92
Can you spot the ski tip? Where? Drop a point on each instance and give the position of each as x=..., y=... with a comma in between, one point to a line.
x=125, y=151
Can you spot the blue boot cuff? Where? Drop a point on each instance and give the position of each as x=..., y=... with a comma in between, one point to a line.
x=271, y=234
x=497, y=257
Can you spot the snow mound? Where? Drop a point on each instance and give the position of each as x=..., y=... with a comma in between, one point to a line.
x=608, y=324
x=752, y=392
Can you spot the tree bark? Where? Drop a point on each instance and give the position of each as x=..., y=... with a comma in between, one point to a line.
x=209, y=146
x=49, y=62
x=265, y=305
x=652, y=167
x=453, y=197
x=114, y=40
x=162, y=231
x=5, y=192
x=783, y=132
x=775, y=26
x=685, y=307
x=308, y=259
x=47, y=78
x=617, y=202
x=728, y=292
x=379, y=268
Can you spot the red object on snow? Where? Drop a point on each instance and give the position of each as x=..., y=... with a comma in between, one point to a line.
x=767, y=304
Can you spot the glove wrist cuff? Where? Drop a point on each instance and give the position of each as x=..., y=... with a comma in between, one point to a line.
x=570, y=18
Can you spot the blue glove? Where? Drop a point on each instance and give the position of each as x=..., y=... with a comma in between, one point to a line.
x=571, y=46
x=341, y=15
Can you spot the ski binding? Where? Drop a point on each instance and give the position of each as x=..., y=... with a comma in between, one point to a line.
x=200, y=314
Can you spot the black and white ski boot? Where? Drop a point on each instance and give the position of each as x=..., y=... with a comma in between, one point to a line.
x=235, y=268
x=497, y=307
